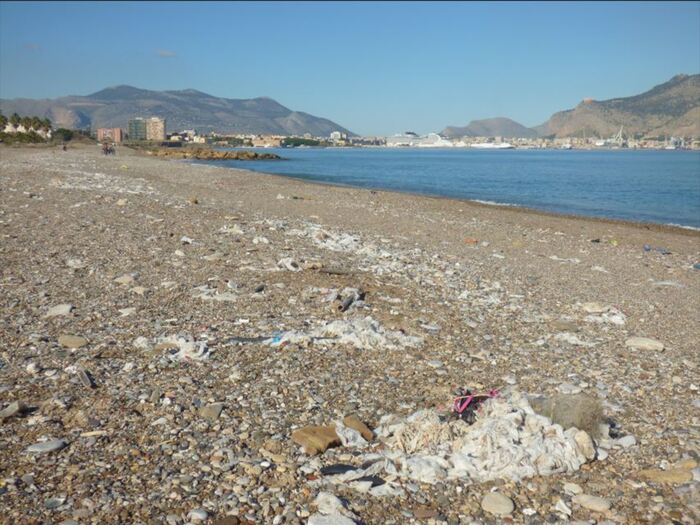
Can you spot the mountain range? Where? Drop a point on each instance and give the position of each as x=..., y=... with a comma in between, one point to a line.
x=671, y=108
x=186, y=109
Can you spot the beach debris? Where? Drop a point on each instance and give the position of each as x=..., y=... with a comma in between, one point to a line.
x=59, y=310
x=507, y=440
x=572, y=260
x=603, y=314
x=659, y=249
x=349, y=296
x=75, y=264
x=363, y=334
x=466, y=404
x=331, y=511
x=208, y=293
x=349, y=437
x=672, y=284
x=183, y=347
x=289, y=264
x=233, y=230
x=84, y=378
x=355, y=423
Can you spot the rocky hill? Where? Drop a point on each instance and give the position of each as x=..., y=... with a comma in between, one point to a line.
x=186, y=109
x=492, y=127
x=671, y=108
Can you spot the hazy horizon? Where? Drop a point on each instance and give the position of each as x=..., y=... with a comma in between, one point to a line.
x=376, y=69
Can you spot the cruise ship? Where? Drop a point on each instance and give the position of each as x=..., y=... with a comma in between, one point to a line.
x=493, y=145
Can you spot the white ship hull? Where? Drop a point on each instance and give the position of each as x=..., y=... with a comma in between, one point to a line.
x=491, y=145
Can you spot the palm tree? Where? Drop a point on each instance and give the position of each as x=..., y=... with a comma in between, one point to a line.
x=15, y=119
x=26, y=122
x=46, y=124
x=3, y=122
x=36, y=123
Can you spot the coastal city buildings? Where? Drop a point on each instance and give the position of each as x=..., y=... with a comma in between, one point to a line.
x=155, y=129
x=152, y=128
x=136, y=129
x=110, y=135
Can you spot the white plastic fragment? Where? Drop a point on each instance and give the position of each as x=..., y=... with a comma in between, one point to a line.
x=289, y=264
x=188, y=348
x=364, y=334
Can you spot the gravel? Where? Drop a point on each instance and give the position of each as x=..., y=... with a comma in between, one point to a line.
x=202, y=358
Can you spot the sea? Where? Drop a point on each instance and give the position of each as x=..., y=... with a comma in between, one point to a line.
x=651, y=186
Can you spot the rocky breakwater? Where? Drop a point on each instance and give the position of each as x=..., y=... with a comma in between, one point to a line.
x=212, y=154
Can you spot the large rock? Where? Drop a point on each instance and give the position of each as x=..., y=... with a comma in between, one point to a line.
x=316, y=439
x=644, y=343
x=498, y=504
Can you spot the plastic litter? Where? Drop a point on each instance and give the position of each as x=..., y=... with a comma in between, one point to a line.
x=289, y=264
x=363, y=334
x=507, y=440
x=660, y=249
x=466, y=404
x=187, y=348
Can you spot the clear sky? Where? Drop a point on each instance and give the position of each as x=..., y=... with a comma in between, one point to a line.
x=375, y=68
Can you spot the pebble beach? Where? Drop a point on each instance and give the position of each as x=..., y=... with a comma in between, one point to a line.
x=171, y=334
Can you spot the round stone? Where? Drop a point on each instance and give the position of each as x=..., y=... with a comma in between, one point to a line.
x=593, y=503
x=498, y=504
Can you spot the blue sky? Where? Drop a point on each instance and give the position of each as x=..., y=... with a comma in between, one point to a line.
x=375, y=68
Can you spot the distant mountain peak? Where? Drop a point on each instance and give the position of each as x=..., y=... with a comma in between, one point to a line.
x=670, y=108
x=491, y=127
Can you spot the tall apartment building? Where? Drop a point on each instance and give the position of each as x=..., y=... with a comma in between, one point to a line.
x=110, y=134
x=155, y=128
x=137, y=129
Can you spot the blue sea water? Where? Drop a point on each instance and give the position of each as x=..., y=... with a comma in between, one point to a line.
x=646, y=186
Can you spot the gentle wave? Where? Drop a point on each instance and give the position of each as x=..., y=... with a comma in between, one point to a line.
x=494, y=203
x=693, y=228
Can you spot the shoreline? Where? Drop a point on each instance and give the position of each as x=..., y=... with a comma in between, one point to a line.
x=653, y=226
